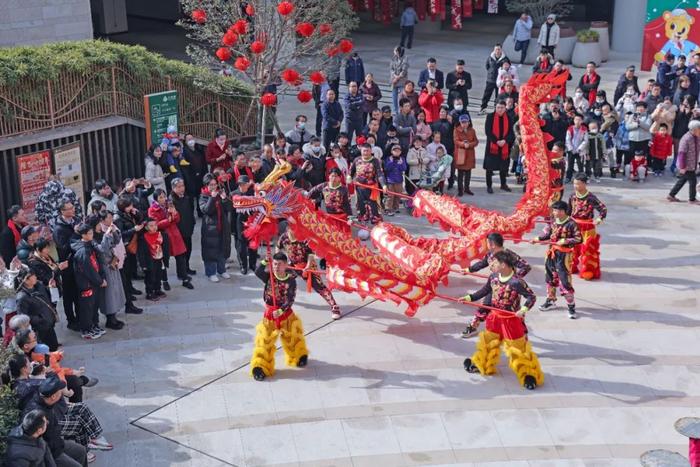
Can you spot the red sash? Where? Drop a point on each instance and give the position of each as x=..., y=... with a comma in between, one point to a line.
x=269, y=309
x=237, y=173
x=15, y=232
x=500, y=134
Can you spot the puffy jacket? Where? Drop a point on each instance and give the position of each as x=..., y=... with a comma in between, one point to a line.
x=553, y=35
x=493, y=64
x=168, y=223
x=354, y=70
x=24, y=250
x=353, y=106
x=638, y=127
x=154, y=173
x=216, y=226
x=110, y=202
x=36, y=303
x=185, y=208
x=86, y=264
x=431, y=103
x=25, y=451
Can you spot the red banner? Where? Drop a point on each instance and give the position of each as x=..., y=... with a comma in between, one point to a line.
x=467, y=9
x=478, y=4
x=456, y=14
x=421, y=9
x=34, y=171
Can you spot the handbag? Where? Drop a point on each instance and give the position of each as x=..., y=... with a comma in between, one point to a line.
x=133, y=245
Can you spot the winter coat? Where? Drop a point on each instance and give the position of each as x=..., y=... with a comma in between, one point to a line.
x=126, y=224
x=460, y=137
x=140, y=197
x=405, y=128
x=664, y=114
x=423, y=130
x=577, y=140
x=373, y=91
x=424, y=76
x=418, y=161
x=522, y=29
x=354, y=70
x=185, y=208
x=86, y=264
x=638, y=127
x=680, y=94
x=154, y=173
x=456, y=90
x=353, y=107
x=664, y=77
x=622, y=140
x=195, y=171
x=688, y=150
x=431, y=104
x=331, y=114
x=661, y=147
x=114, y=296
x=554, y=35
x=46, y=208
x=8, y=246
x=622, y=84
x=216, y=241
x=493, y=64
x=680, y=125
x=394, y=169
x=511, y=74
x=445, y=128
x=24, y=250
x=653, y=101
x=46, y=270
x=413, y=99
x=495, y=161
x=409, y=18
x=63, y=234
x=398, y=68
x=110, y=203
x=25, y=451
x=167, y=223
x=36, y=303
x=54, y=415
x=298, y=137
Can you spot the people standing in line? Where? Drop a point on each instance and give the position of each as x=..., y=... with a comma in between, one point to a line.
x=398, y=74
x=354, y=69
x=549, y=35
x=493, y=64
x=409, y=19
x=371, y=95
x=431, y=72
x=458, y=84
x=687, y=163
x=521, y=34
x=216, y=229
x=499, y=140
x=63, y=235
x=353, y=112
x=465, y=142
x=331, y=118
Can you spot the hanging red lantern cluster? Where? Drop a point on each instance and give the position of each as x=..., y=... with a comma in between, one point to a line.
x=305, y=29
x=324, y=28
x=223, y=54
x=229, y=39
x=240, y=27
x=199, y=16
x=316, y=77
x=345, y=46
x=257, y=47
x=291, y=76
x=250, y=10
x=332, y=51
x=285, y=8
x=268, y=99
x=241, y=64
x=304, y=96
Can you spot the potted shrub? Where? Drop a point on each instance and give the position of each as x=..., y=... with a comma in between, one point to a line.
x=586, y=49
x=601, y=27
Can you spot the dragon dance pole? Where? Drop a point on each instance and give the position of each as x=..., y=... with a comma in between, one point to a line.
x=502, y=313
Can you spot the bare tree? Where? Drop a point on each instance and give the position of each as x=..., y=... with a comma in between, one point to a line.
x=540, y=9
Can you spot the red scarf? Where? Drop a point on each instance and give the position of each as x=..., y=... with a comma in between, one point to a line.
x=15, y=232
x=154, y=240
x=237, y=173
x=544, y=64
x=588, y=79
x=500, y=134
x=219, y=211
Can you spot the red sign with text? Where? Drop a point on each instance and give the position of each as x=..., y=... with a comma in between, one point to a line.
x=34, y=171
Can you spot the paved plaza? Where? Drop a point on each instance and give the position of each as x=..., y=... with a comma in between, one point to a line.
x=382, y=389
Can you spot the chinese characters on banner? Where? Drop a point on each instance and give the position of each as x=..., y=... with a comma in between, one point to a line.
x=66, y=159
x=34, y=171
x=672, y=26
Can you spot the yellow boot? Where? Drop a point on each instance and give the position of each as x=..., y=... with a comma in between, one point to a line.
x=485, y=359
x=524, y=362
x=262, y=363
x=293, y=342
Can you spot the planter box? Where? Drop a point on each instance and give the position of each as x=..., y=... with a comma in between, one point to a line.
x=585, y=52
x=601, y=27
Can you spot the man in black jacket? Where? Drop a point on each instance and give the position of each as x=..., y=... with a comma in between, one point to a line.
x=129, y=221
x=628, y=79
x=10, y=236
x=63, y=233
x=555, y=124
x=89, y=278
x=247, y=257
x=458, y=83
x=25, y=446
x=66, y=453
x=184, y=205
x=431, y=72
x=493, y=64
x=194, y=172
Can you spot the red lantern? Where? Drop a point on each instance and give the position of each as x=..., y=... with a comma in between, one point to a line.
x=257, y=47
x=241, y=64
x=324, y=28
x=332, y=51
x=268, y=99
x=223, y=53
x=345, y=46
x=285, y=8
x=250, y=10
x=317, y=77
x=240, y=26
x=199, y=16
x=230, y=38
x=305, y=29
x=304, y=97
x=290, y=75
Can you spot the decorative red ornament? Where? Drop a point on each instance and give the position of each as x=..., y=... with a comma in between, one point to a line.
x=304, y=96
x=257, y=47
x=317, y=77
x=241, y=64
x=345, y=46
x=305, y=29
x=268, y=99
x=223, y=53
x=285, y=8
x=290, y=75
x=230, y=38
x=199, y=16
x=240, y=26
x=332, y=51
x=250, y=10
x=324, y=28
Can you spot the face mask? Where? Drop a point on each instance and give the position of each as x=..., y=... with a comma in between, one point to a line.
x=459, y=107
x=579, y=94
x=593, y=132
x=597, y=112
x=600, y=101
x=301, y=125
x=163, y=147
x=316, y=149
x=191, y=143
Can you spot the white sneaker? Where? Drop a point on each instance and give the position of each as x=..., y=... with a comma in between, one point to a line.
x=214, y=278
x=226, y=275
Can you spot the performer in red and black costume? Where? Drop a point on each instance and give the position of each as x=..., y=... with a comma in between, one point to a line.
x=301, y=256
x=557, y=164
x=278, y=320
x=563, y=235
x=584, y=204
x=367, y=170
x=336, y=199
x=506, y=325
x=494, y=242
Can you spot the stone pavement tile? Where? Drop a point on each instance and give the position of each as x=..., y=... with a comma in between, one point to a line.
x=623, y=425
x=584, y=451
x=342, y=391
x=249, y=398
x=523, y=427
x=317, y=441
x=269, y=445
x=471, y=429
x=672, y=380
x=294, y=398
x=663, y=420
x=421, y=433
x=571, y=426
x=225, y=445
x=612, y=462
x=428, y=457
x=531, y=452
x=370, y=436
x=557, y=463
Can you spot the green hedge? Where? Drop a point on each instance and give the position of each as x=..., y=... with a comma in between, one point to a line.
x=46, y=62
x=9, y=413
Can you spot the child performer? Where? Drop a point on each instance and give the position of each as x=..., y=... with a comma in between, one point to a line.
x=507, y=326
x=278, y=320
x=563, y=234
x=494, y=241
x=584, y=205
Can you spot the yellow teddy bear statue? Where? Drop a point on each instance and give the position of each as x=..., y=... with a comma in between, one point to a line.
x=678, y=25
